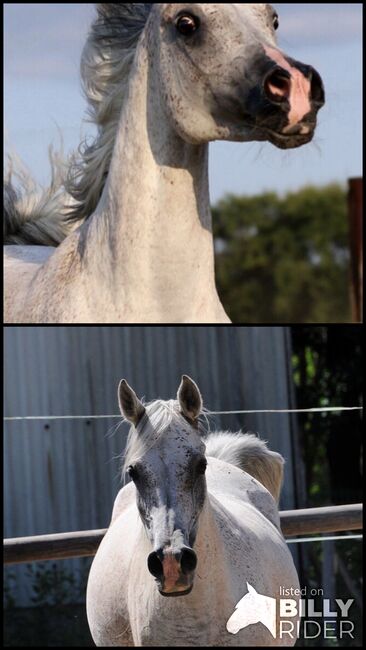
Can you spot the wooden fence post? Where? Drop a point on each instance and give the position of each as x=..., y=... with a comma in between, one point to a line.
x=355, y=201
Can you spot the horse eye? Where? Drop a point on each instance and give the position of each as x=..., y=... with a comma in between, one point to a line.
x=132, y=472
x=187, y=24
x=276, y=22
x=202, y=466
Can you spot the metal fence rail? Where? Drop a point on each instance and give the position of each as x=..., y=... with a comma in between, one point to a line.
x=85, y=543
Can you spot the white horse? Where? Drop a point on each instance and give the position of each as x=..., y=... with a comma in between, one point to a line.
x=198, y=521
x=162, y=80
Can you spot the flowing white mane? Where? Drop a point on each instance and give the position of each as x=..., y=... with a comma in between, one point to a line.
x=105, y=67
x=37, y=216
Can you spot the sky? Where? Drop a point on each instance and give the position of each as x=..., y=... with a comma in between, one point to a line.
x=42, y=96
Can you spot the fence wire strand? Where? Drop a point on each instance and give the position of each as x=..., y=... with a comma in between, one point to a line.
x=320, y=409
x=322, y=539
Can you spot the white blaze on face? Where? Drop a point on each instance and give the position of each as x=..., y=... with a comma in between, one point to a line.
x=300, y=92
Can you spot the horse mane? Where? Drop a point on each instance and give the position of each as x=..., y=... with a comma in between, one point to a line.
x=105, y=68
x=249, y=453
x=34, y=215
x=45, y=217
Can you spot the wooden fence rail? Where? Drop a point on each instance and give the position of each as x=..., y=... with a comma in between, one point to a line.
x=85, y=543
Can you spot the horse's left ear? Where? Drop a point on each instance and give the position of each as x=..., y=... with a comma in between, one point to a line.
x=189, y=398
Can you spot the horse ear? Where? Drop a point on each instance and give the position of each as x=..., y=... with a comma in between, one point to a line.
x=130, y=405
x=251, y=589
x=189, y=398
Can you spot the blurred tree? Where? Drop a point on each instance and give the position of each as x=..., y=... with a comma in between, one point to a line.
x=328, y=365
x=284, y=259
x=328, y=371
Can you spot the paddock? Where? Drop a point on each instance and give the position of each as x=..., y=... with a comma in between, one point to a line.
x=64, y=442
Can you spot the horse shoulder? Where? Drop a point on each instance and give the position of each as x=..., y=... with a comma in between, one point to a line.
x=21, y=265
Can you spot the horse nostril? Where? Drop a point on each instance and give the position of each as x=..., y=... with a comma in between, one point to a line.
x=277, y=86
x=188, y=561
x=155, y=566
x=317, y=88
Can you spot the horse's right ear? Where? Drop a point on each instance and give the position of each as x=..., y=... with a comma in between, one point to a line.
x=189, y=398
x=130, y=405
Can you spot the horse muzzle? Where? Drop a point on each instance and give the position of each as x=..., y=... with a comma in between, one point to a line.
x=285, y=105
x=173, y=570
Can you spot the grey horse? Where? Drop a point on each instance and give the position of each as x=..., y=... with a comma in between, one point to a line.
x=163, y=80
x=195, y=528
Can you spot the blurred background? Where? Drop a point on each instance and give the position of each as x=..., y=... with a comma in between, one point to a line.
x=283, y=229
x=63, y=475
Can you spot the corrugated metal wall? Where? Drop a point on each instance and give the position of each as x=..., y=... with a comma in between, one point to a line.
x=63, y=475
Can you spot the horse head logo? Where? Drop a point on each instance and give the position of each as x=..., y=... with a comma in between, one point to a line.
x=253, y=608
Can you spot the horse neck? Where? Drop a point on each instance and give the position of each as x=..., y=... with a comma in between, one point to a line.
x=152, y=231
x=212, y=592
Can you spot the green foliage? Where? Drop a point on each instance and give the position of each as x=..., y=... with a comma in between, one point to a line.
x=328, y=370
x=327, y=365
x=53, y=585
x=284, y=259
x=9, y=579
x=57, y=617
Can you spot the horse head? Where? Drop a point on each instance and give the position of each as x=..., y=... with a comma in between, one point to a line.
x=165, y=460
x=223, y=77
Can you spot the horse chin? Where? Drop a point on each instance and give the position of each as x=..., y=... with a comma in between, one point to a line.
x=256, y=134
x=289, y=141
x=176, y=594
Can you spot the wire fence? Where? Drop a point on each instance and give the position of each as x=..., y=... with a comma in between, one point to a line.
x=317, y=409
x=300, y=540
x=80, y=544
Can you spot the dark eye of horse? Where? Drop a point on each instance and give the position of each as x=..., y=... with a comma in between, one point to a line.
x=187, y=24
x=132, y=472
x=276, y=22
x=202, y=466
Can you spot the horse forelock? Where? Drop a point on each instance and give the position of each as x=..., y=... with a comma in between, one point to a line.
x=160, y=416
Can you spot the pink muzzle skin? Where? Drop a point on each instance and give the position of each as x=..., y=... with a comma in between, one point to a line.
x=174, y=581
x=171, y=571
x=297, y=91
